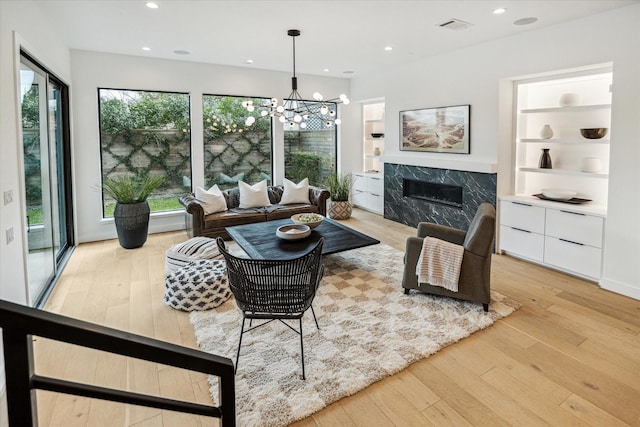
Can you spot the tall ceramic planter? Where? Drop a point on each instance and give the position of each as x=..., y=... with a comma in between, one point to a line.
x=340, y=210
x=132, y=224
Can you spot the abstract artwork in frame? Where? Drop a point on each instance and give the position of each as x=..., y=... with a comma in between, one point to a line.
x=439, y=130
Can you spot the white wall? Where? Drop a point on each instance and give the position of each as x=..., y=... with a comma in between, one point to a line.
x=92, y=70
x=480, y=76
x=21, y=24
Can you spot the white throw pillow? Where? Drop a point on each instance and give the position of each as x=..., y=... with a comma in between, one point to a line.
x=253, y=196
x=295, y=193
x=212, y=200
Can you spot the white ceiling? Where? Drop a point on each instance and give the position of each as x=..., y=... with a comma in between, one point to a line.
x=346, y=35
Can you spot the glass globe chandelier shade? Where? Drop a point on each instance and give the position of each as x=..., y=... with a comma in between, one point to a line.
x=294, y=110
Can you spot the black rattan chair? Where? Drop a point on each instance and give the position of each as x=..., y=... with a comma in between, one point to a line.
x=274, y=289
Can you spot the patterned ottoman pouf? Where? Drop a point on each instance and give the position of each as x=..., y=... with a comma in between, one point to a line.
x=192, y=250
x=199, y=285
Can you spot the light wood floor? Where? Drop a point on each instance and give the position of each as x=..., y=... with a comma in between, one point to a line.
x=569, y=356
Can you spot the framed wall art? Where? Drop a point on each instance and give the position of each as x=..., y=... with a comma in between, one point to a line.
x=439, y=130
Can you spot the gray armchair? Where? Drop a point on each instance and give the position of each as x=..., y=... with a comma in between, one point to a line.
x=475, y=273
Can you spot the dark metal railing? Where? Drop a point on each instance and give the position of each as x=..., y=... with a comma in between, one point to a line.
x=19, y=323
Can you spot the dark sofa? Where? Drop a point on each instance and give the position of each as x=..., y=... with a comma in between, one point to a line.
x=213, y=225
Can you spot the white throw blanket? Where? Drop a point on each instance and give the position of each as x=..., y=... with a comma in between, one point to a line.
x=439, y=263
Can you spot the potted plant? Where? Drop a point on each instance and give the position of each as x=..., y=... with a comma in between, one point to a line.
x=340, y=188
x=131, y=213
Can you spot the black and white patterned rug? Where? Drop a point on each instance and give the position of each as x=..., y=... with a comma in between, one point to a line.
x=369, y=329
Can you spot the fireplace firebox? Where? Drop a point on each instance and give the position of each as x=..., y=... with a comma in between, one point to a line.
x=444, y=194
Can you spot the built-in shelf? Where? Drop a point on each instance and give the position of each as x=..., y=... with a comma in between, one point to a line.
x=368, y=187
x=565, y=172
x=373, y=123
x=575, y=109
x=538, y=109
x=564, y=141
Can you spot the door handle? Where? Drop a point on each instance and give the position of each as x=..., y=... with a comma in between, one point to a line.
x=569, y=241
x=572, y=213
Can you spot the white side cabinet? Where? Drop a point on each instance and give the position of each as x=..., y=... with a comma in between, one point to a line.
x=368, y=191
x=563, y=236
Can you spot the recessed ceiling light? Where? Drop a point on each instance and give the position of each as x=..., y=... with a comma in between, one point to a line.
x=499, y=10
x=152, y=5
x=249, y=61
x=145, y=48
x=525, y=21
x=181, y=52
x=388, y=48
x=326, y=70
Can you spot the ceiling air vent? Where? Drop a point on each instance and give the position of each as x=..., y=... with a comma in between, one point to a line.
x=455, y=24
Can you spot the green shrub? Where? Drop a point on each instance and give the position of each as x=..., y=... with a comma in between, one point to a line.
x=304, y=164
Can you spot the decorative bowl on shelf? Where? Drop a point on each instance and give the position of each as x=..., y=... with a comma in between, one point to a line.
x=558, y=193
x=310, y=219
x=293, y=231
x=377, y=135
x=594, y=133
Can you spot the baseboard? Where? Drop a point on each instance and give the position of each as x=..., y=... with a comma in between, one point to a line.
x=620, y=288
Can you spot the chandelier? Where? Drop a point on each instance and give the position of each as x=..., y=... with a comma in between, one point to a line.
x=295, y=111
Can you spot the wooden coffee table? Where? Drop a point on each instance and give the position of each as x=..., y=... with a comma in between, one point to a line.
x=259, y=240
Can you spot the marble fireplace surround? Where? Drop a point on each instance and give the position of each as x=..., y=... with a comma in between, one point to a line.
x=477, y=187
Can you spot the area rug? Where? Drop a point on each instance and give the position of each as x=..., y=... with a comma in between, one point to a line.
x=369, y=329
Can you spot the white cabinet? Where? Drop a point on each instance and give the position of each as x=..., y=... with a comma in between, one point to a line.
x=567, y=102
x=562, y=236
x=368, y=191
x=524, y=216
x=522, y=229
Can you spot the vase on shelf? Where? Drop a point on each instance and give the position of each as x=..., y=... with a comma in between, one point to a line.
x=376, y=151
x=568, y=99
x=591, y=165
x=545, y=159
x=546, y=132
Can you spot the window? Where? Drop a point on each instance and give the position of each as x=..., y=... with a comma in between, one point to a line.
x=233, y=152
x=146, y=133
x=310, y=152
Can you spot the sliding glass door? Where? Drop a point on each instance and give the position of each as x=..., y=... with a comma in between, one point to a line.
x=45, y=133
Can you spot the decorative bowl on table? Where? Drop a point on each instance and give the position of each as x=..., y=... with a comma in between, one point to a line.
x=311, y=219
x=293, y=231
x=558, y=194
x=594, y=133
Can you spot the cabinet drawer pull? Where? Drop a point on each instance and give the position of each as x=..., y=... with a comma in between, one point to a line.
x=520, y=229
x=377, y=179
x=573, y=213
x=521, y=204
x=569, y=241
x=374, y=194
